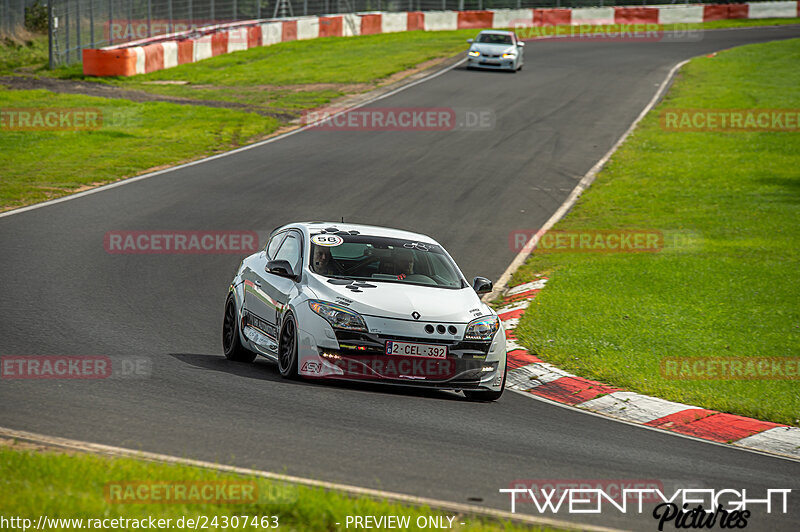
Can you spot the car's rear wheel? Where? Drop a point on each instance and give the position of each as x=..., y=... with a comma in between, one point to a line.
x=487, y=395
x=231, y=342
x=287, y=348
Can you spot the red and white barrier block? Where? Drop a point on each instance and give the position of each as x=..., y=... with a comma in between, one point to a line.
x=529, y=374
x=167, y=51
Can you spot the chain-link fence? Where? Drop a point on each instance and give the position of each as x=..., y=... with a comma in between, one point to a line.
x=78, y=24
x=20, y=18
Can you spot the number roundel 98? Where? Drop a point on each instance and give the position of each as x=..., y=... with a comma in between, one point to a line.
x=327, y=240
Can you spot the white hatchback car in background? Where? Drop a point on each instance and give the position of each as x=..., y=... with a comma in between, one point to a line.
x=495, y=49
x=343, y=301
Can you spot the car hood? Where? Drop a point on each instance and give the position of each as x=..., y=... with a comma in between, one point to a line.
x=494, y=49
x=400, y=301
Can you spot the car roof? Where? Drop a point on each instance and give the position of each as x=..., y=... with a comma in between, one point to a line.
x=371, y=230
x=498, y=32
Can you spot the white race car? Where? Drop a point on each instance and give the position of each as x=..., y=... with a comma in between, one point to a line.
x=342, y=301
x=496, y=49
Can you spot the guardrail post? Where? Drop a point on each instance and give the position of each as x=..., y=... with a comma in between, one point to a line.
x=91, y=21
x=78, y=24
x=50, y=30
x=66, y=32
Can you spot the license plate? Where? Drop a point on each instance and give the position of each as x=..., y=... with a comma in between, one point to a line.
x=416, y=350
x=493, y=63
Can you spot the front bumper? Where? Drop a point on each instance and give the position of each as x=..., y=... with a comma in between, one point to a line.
x=491, y=63
x=360, y=356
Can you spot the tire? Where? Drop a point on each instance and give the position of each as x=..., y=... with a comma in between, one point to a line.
x=287, y=348
x=485, y=396
x=231, y=342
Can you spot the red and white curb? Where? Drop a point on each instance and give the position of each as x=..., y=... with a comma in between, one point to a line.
x=529, y=374
x=166, y=51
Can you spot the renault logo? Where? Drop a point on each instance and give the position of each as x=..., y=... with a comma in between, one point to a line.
x=415, y=315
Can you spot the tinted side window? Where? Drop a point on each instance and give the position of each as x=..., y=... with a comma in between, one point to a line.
x=290, y=251
x=274, y=243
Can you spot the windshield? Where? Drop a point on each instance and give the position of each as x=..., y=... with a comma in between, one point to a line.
x=494, y=38
x=372, y=258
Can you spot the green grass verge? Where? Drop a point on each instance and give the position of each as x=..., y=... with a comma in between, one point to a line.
x=134, y=137
x=277, y=81
x=20, y=56
x=731, y=289
x=360, y=59
x=284, y=76
x=63, y=486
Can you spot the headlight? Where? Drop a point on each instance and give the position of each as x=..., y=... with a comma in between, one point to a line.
x=506, y=56
x=482, y=328
x=473, y=53
x=339, y=317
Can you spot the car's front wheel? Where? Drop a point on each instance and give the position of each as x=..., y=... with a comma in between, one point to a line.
x=231, y=342
x=287, y=348
x=487, y=395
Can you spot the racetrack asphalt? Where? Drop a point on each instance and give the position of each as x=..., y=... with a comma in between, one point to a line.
x=63, y=294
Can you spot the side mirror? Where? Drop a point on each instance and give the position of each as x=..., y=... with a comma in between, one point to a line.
x=482, y=285
x=521, y=44
x=469, y=41
x=281, y=268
